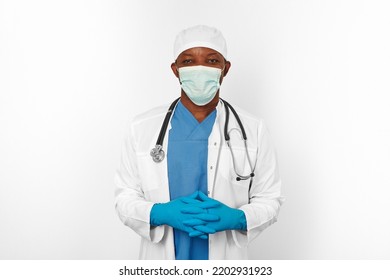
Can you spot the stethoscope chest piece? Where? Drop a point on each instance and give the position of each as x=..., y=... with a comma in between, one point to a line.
x=157, y=153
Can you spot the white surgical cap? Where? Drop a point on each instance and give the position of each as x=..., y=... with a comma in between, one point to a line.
x=200, y=36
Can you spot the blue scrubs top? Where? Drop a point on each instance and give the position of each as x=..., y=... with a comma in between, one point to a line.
x=187, y=171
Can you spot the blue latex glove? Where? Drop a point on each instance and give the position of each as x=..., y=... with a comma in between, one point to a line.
x=230, y=218
x=170, y=214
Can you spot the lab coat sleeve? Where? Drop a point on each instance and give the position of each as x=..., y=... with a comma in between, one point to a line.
x=265, y=195
x=130, y=203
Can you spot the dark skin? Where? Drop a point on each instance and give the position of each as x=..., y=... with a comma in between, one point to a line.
x=206, y=57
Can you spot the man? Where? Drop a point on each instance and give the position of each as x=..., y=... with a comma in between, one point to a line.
x=209, y=197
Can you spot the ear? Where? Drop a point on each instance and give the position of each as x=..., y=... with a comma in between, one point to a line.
x=227, y=67
x=174, y=69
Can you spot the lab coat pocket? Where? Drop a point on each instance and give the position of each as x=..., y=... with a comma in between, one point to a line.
x=230, y=191
x=153, y=175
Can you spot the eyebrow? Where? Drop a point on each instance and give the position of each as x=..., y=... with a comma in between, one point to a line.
x=189, y=54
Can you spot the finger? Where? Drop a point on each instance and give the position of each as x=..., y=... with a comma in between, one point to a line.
x=189, y=200
x=193, y=222
x=205, y=229
x=208, y=217
x=203, y=197
x=195, y=233
x=204, y=236
x=211, y=203
x=194, y=195
x=192, y=210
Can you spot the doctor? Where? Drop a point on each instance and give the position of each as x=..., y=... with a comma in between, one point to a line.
x=199, y=196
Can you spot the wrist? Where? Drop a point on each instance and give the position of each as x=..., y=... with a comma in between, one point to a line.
x=156, y=217
x=241, y=220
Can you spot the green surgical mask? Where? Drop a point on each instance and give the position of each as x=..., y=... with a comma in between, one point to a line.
x=200, y=83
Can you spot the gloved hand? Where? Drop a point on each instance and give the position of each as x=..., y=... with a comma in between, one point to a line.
x=170, y=214
x=230, y=218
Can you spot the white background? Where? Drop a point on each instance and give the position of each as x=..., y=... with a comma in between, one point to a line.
x=72, y=73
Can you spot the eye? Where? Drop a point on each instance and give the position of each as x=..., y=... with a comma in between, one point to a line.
x=186, y=61
x=213, y=60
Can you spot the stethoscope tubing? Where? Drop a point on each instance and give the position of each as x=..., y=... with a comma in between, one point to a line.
x=164, y=126
x=227, y=107
x=158, y=153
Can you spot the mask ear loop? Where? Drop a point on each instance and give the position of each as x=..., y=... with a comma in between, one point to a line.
x=177, y=69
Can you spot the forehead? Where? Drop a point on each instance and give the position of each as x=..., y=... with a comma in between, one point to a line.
x=200, y=51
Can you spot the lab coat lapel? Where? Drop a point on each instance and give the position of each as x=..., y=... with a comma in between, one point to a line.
x=165, y=192
x=215, y=144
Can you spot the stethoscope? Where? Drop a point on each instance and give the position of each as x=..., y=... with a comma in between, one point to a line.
x=158, y=153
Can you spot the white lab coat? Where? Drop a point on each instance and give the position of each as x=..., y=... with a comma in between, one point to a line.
x=140, y=182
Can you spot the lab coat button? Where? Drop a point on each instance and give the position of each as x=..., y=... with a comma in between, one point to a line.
x=211, y=167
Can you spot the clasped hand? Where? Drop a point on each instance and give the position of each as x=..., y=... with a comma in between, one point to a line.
x=175, y=212
x=198, y=215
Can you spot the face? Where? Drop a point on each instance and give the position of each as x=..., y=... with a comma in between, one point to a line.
x=201, y=56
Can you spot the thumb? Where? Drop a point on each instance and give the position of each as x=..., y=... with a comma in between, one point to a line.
x=194, y=195
x=203, y=197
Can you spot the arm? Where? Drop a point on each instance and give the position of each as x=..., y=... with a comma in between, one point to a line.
x=132, y=207
x=265, y=195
